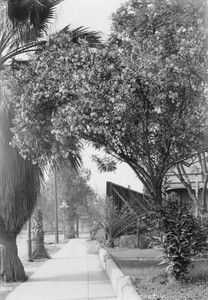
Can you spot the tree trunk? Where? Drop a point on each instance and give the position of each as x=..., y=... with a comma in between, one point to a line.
x=204, y=193
x=158, y=195
x=13, y=269
x=185, y=180
x=110, y=239
x=70, y=230
x=39, y=250
x=204, y=199
x=153, y=195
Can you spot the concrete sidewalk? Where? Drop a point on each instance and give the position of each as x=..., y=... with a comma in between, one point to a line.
x=72, y=274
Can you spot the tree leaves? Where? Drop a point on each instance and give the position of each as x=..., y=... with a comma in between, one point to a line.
x=137, y=99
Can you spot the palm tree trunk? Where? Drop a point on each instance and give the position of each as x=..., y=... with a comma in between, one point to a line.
x=39, y=250
x=110, y=238
x=12, y=267
x=19, y=185
x=70, y=230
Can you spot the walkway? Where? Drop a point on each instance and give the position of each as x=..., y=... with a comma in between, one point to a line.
x=72, y=274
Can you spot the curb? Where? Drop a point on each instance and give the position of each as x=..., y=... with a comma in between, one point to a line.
x=122, y=284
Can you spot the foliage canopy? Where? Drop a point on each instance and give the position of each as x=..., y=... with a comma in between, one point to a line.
x=142, y=97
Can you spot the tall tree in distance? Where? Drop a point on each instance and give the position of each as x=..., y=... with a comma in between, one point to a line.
x=75, y=191
x=72, y=189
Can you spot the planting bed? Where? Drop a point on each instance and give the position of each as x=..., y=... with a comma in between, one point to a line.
x=150, y=281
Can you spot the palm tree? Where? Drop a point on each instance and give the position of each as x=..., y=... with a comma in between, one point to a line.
x=19, y=177
x=39, y=250
x=19, y=182
x=31, y=17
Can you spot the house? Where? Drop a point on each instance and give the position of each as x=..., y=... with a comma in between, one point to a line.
x=192, y=176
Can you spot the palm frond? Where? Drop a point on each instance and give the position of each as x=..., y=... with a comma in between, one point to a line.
x=31, y=47
x=19, y=11
x=42, y=13
x=73, y=157
x=75, y=160
x=37, y=13
x=92, y=37
x=10, y=43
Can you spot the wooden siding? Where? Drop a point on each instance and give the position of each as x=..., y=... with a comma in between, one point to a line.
x=123, y=195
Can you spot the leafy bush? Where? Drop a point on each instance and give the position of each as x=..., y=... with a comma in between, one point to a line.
x=114, y=222
x=180, y=234
x=144, y=241
x=117, y=242
x=100, y=236
x=93, y=231
x=129, y=241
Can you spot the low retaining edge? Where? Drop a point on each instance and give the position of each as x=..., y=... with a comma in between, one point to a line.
x=122, y=284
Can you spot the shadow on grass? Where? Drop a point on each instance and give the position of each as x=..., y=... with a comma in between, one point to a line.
x=140, y=264
x=147, y=268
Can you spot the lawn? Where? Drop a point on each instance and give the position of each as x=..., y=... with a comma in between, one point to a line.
x=150, y=281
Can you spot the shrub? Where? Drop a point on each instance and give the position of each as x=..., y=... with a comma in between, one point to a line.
x=117, y=242
x=144, y=241
x=93, y=231
x=97, y=233
x=129, y=241
x=114, y=222
x=100, y=235
x=180, y=234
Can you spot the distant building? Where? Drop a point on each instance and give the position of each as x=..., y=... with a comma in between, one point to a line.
x=193, y=176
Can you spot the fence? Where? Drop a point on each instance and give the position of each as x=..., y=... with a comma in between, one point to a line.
x=123, y=195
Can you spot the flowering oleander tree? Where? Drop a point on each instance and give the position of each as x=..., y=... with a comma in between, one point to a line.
x=141, y=97
x=43, y=86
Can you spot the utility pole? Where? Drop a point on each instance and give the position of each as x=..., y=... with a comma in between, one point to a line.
x=29, y=244
x=64, y=206
x=56, y=207
x=77, y=225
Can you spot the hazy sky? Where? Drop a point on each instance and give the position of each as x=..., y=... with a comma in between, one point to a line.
x=96, y=15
